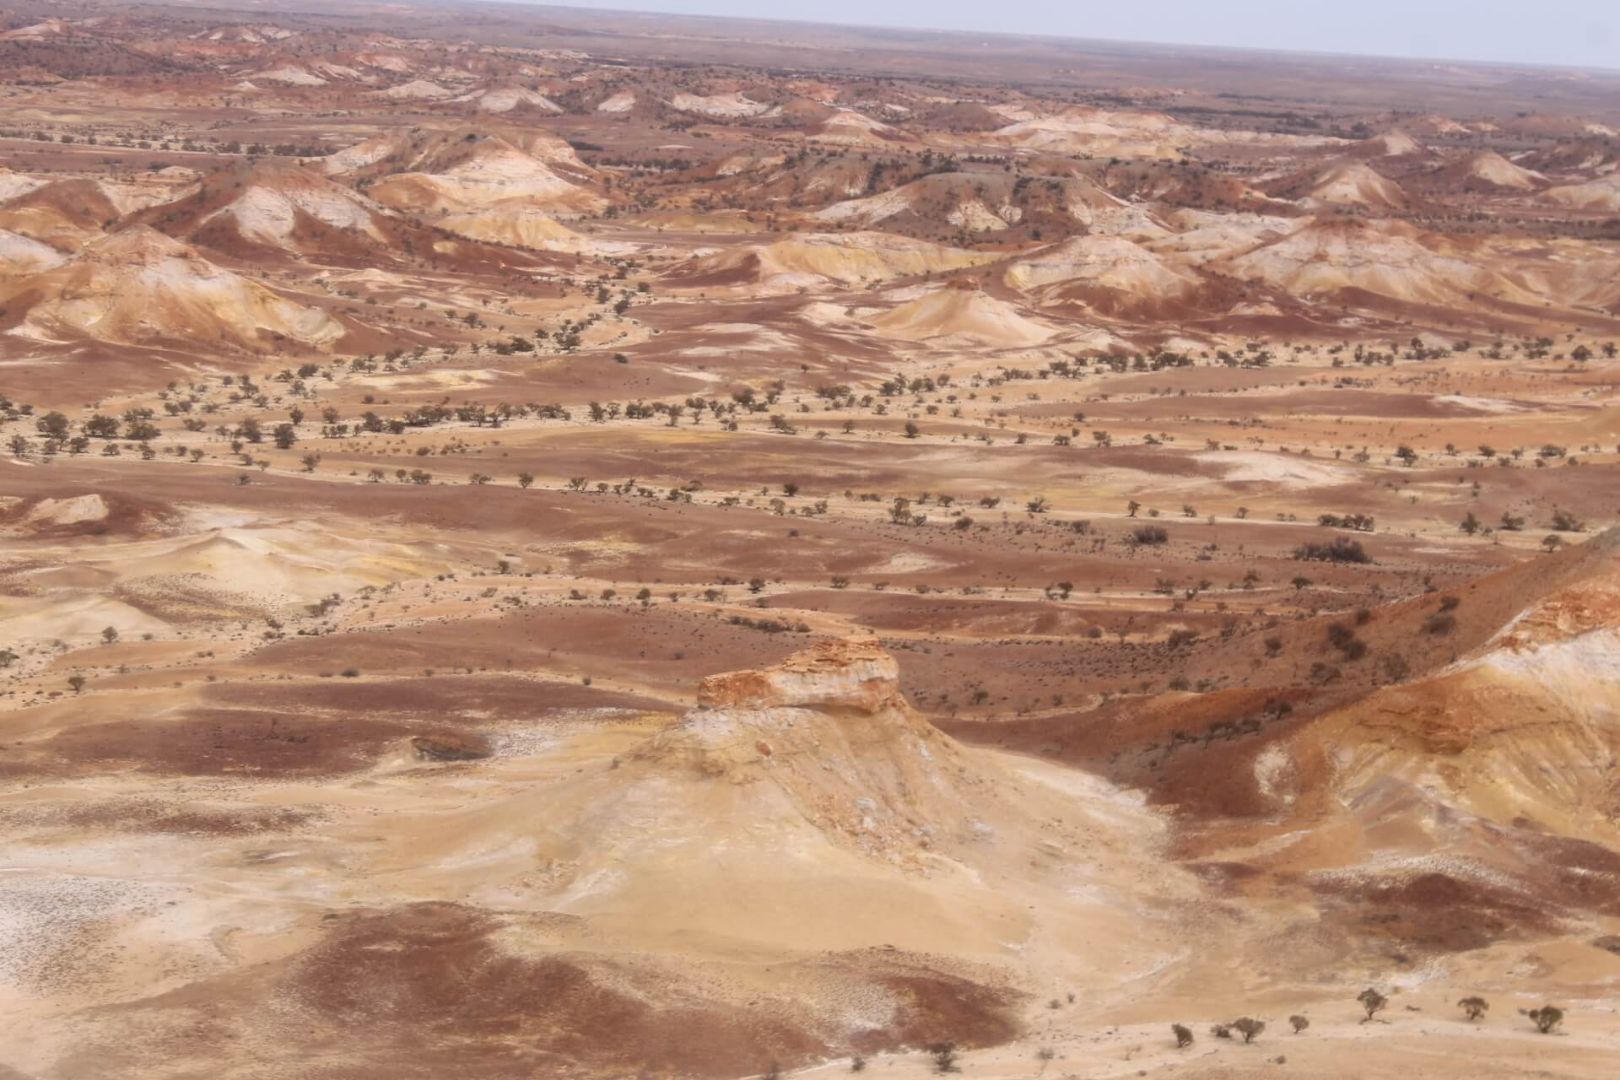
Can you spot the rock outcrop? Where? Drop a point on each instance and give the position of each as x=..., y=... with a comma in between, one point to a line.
x=854, y=674
x=828, y=736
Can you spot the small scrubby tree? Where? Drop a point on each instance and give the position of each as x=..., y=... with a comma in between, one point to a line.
x=1300, y=1023
x=1372, y=1001
x=1474, y=1007
x=1183, y=1034
x=1546, y=1018
x=1248, y=1027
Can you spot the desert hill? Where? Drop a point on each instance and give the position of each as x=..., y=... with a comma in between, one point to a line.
x=962, y=312
x=843, y=258
x=1473, y=780
x=1602, y=194
x=815, y=768
x=63, y=213
x=138, y=286
x=1347, y=184
x=462, y=171
x=1108, y=275
x=1488, y=171
x=279, y=206
x=1389, y=260
x=1391, y=144
x=971, y=203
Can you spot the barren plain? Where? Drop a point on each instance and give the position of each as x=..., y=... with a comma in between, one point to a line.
x=546, y=543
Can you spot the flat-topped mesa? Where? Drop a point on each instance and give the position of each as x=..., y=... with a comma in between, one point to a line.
x=847, y=674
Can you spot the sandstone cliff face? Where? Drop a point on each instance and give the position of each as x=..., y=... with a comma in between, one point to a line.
x=852, y=674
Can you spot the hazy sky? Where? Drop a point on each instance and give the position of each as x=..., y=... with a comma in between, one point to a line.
x=1576, y=32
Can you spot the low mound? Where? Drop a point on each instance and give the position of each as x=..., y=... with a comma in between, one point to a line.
x=1108, y=275
x=276, y=205
x=815, y=259
x=1392, y=143
x=496, y=173
x=290, y=76
x=724, y=106
x=1100, y=133
x=1352, y=183
x=516, y=226
x=1600, y=194
x=505, y=99
x=141, y=287
x=962, y=314
x=846, y=127
x=964, y=200
x=1488, y=171
x=1385, y=259
x=975, y=202
x=454, y=172
x=94, y=514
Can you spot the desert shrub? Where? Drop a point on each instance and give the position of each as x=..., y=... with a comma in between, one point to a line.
x=1372, y=1001
x=1474, y=1007
x=1151, y=535
x=1183, y=1034
x=1440, y=624
x=1358, y=522
x=1300, y=1023
x=1248, y=1027
x=1340, y=549
x=1545, y=1018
